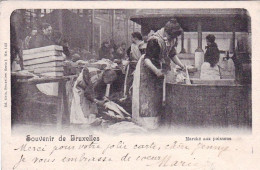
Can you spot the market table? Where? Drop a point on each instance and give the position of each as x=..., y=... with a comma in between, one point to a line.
x=62, y=108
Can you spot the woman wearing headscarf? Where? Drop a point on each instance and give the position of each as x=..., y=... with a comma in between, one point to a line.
x=210, y=69
x=149, y=75
x=88, y=92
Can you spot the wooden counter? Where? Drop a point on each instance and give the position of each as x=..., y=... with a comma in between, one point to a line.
x=208, y=105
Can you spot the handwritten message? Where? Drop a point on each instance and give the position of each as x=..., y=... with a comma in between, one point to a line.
x=147, y=154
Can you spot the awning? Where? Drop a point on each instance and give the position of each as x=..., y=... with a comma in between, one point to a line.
x=213, y=20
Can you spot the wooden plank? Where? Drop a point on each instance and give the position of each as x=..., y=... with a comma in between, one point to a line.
x=45, y=79
x=42, y=49
x=186, y=56
x=43, y=60
x=222, y=82
x=53, y=74
x=48, y=69
x=42, y=54
x=44, y=65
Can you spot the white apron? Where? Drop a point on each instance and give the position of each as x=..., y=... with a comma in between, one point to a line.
x=83, y=111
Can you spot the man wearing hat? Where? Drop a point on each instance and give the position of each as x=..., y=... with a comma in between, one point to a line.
x=150, y=72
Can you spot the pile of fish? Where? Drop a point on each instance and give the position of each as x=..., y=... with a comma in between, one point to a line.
x=115, y=111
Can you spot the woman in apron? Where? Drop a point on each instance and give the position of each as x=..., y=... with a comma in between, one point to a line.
x=84, y=104
x=88, y=92
x=150, y=73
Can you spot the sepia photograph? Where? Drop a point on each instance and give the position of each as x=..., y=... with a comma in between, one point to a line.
x=130, y=70
x=129, y=85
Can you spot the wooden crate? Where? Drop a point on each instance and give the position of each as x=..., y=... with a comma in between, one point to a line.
x=44, y=65
x=45, y=61
x=43, y=49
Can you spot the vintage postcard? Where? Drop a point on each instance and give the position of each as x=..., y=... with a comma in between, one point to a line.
x=130, y=85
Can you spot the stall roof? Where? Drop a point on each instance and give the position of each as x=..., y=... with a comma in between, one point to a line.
x=213, y=20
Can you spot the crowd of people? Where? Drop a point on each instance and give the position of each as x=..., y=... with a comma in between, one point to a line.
x=110, y=50
x=44, y=35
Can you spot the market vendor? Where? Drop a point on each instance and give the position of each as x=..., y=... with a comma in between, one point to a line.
x=210, y=69
x=149, y=75
x=43, y=38
x=134, y=53
x=137, y=48
x=30, y=38
x=88, y=93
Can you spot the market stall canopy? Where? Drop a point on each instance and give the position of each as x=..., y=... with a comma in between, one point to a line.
x=212, y=20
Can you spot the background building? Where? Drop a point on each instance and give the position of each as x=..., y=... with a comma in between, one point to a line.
x=82, y=28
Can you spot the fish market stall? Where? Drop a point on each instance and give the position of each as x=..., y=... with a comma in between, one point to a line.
x=221, y=103
x=43, y=91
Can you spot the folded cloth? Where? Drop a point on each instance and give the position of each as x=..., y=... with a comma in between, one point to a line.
x=208, y=72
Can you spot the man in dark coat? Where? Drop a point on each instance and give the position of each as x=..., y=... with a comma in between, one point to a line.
x=43, y=38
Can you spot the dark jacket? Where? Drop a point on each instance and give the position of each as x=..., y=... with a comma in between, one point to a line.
x=212, y=54
x=128, y=53
x=41, y=40
x=104, y=52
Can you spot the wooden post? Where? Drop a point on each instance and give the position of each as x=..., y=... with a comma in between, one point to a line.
x=182, y=43
x=86, y=23
x=31, y=19
x=38, y=16
x=189, y=46
x=100, y=36
x=92, y=31
x=233, y=41
x=23, y=21
x=113, y=23
x=109, y=21
x=23, y=31
x=127, y=27
x=60, y=21
x=199, y=49
x=66, y=115
x=60, y=109
x=199, y=54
